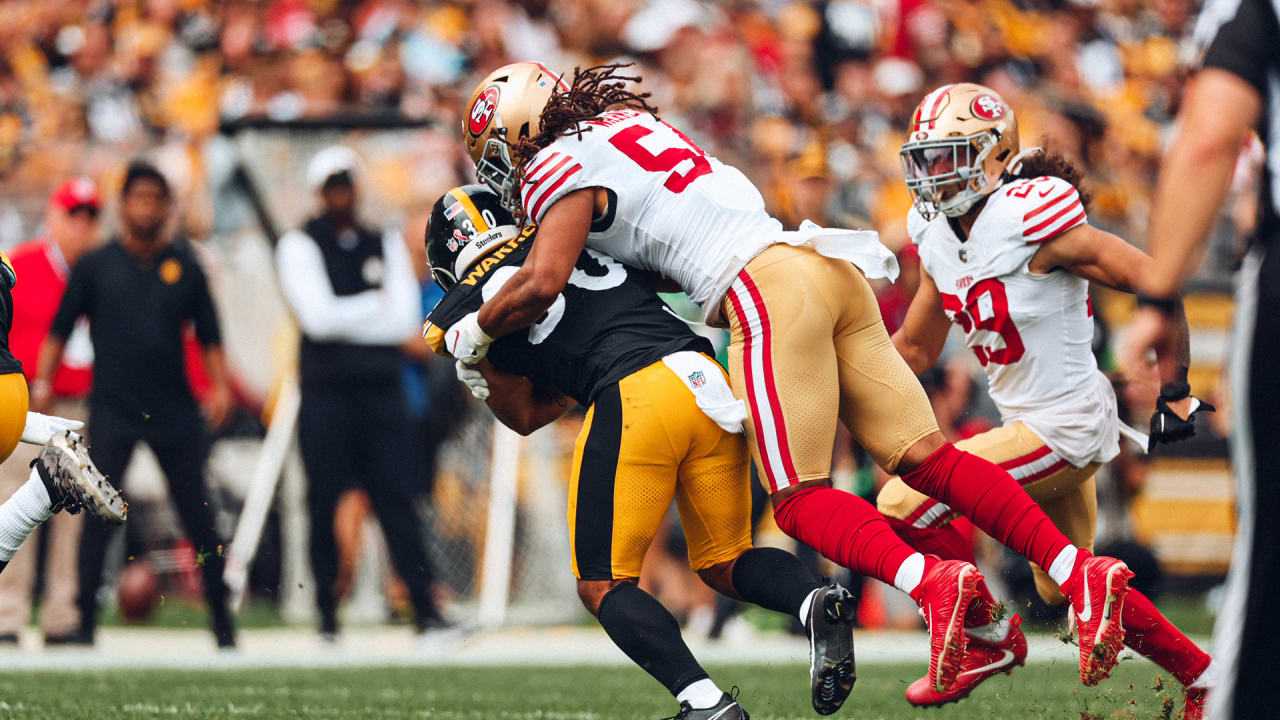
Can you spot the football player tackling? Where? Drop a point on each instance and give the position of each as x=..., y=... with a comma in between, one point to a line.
x=1008, y=254
x=594, y=166
x=62, y=477
x=661, y=424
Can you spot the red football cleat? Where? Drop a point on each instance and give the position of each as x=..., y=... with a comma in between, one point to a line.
x=1097, y=589
x=944, y=595
x=1194, y=707
x=983, y=660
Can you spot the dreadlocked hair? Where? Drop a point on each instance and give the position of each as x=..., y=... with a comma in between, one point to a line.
x=593, y=91
x=1055, y=165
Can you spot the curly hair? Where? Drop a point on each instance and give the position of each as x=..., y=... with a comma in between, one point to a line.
x=1055, y=165
x=593, y=91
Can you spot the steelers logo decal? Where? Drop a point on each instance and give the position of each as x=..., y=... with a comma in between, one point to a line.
x=170, y=271
x=987, y=107
x=481, y=113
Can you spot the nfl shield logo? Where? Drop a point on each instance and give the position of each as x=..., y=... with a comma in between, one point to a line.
x=457, y=241
x=697, y=379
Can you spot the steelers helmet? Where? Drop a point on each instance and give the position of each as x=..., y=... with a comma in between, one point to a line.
x=504, y=107
x=962, y=139
x=466, y=224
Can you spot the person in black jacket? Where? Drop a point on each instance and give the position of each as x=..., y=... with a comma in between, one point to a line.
x=139, y=293
x=355, y=297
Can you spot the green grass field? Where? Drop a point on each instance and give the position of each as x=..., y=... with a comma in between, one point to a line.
x=622, y=693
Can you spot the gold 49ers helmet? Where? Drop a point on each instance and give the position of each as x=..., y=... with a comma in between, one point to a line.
x=962, y=139
x=504, y=107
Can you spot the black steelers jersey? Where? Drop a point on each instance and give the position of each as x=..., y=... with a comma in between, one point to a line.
x=606, y=324
x=8, y=278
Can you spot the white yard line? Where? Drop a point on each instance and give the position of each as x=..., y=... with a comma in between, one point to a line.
x=191, y=649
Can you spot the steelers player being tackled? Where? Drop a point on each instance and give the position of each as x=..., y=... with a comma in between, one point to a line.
x=661, y=424
x=62, y=477
x=1008, y=254
x=594, y=166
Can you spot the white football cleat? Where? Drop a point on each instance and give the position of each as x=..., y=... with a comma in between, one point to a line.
x=74, y=482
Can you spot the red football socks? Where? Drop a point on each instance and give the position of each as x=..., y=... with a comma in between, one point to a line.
x=948, y=544
x=991, y=499
x=846, y=529
x=1150, y=633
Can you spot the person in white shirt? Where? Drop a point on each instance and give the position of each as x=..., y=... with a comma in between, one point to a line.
x=355, y=297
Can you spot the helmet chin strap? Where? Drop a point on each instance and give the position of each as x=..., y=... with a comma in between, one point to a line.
x=1016, y=163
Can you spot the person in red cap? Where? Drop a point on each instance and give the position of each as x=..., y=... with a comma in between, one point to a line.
x=44, y=264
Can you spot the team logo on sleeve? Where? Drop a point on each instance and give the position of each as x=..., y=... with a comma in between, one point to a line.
x=482, y=111
x=987, y=107
x=697, y=379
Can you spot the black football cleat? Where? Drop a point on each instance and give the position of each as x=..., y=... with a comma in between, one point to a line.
x=831, y=667
x=727, y=709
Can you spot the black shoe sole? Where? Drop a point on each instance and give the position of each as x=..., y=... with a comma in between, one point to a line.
x=832, y=670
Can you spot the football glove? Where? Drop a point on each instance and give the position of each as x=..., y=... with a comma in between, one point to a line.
x=466, y=341
x=1167, y=427
x=40, y=428
x=473, y=379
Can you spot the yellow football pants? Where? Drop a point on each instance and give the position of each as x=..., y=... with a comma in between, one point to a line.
x=644, y=442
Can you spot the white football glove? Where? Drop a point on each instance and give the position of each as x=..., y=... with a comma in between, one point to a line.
x=41, y=428
x=473, y=379
x=466, y=341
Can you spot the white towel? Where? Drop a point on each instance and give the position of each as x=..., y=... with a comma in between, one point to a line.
x=705, y=380
x=860, y=247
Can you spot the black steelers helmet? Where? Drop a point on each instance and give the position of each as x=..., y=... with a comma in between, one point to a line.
x=466, y=224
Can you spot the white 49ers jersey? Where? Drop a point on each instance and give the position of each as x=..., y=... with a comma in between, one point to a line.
x=673, y=209
x=1031, y=332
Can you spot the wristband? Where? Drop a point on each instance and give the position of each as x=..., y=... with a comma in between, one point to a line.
x=1168, y=305
x=1178, y=388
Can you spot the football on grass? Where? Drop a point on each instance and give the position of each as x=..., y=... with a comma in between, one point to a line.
x=138, y=591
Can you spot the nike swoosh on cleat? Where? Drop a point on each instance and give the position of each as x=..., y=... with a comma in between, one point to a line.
x=1008, y=658
x=1087, y=613
x=722, y=712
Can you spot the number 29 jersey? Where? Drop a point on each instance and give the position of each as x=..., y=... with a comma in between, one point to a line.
x=1032, y=333
x=673, y=209
x=606, y=324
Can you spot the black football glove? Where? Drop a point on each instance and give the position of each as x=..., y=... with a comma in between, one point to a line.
x=1167, y=427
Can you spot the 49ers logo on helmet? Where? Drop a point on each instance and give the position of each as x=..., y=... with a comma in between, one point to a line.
x=987, y=107
x=482, y=111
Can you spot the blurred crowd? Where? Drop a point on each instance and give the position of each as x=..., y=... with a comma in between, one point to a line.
x=810, y=98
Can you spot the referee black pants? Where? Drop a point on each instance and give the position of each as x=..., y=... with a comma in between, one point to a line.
x=359, y=436
x=181, y=450
x=1245, y=644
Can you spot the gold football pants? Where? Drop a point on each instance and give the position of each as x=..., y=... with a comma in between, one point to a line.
x=808, y=347
x=13, y=412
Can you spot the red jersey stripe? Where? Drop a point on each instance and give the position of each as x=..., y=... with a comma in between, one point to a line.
x=536, y=214
x=1029, y=232
x=1051, y=203
x=1072, y=222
